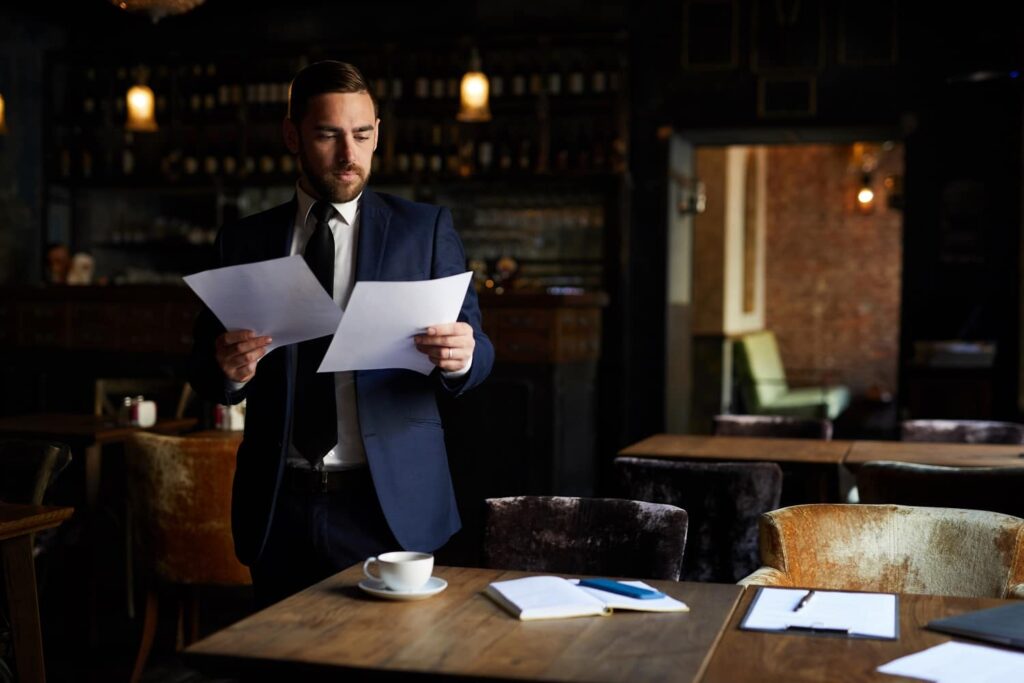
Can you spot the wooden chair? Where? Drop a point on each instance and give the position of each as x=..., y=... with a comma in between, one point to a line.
x=892, y=549
x=180, y=494
x=777, y=426
x=723, y=501
x=962, y=431
x=996, y=489
x=28, y=466
x=567, y=535
x=167, y=392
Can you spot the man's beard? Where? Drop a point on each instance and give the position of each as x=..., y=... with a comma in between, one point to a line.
x=330, y=187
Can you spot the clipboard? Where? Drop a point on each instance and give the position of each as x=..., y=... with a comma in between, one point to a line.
x=772, y=618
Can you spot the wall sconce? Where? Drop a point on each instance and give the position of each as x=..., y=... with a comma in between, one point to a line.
x=157, y=9
x=693, y=197
x=866, y=195
x=141, y=110
x=474, y=93
x=3, y=116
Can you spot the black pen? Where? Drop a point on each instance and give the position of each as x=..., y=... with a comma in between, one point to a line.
x=803, y=601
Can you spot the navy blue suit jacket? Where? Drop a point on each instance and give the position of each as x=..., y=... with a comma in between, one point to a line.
x=398, y=240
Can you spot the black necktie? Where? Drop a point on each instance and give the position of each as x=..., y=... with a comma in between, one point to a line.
x=315, y=429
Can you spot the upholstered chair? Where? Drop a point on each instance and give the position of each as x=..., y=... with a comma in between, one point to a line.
x=180, y=494
x=766, y=390
x=962, y=431
x=723, y=501
x=996, y=489
x=778, y=426
x=604, y=536
x=893, y=549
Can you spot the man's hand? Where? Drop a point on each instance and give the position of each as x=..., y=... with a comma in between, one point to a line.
x=238, y=352
x=450, y=346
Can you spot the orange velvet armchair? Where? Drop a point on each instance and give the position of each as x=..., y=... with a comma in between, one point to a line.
x=892, y=549
x=180, y=494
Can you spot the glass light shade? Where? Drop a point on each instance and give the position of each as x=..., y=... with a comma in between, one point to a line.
x=3, y=117
x=140, y=110
x=474, y=95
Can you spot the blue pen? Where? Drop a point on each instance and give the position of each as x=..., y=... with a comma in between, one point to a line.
x=622, y=589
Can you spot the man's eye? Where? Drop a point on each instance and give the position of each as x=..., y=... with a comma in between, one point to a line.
x=362, y=138
x=327, y=136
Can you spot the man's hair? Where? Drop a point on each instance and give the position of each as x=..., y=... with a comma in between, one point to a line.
x=324, y=77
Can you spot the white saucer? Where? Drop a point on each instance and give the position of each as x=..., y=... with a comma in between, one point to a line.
x=433, y=586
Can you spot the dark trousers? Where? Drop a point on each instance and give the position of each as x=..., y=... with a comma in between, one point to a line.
x=314, y=535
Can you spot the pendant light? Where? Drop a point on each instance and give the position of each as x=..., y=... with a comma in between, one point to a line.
x=474, y=93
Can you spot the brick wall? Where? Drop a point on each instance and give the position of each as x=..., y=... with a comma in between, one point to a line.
x=833, y=272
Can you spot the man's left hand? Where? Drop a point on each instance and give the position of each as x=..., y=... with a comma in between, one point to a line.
x=449, y=346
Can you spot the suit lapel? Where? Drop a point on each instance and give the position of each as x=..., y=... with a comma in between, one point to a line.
x=373, y=233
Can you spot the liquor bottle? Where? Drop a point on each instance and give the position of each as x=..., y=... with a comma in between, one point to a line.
x=127, y=156
x=576, y=77
x=210, y=89
x=435, y=161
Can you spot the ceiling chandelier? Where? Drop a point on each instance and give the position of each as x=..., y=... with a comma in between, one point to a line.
x=158, y=9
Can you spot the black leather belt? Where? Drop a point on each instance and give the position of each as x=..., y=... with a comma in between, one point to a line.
x=299, y=480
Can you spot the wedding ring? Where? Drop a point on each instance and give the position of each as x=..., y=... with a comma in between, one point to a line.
x=448, y=353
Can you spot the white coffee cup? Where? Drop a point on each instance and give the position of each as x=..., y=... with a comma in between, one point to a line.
x=401, y=571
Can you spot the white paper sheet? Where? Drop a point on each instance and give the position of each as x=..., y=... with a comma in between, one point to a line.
x=954, y=662
x=862, y=614
x=381, y=319
x=280, y=297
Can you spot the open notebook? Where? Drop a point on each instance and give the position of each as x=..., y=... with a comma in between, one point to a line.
x=552, y=597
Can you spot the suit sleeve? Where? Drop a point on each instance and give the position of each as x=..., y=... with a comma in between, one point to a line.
x=450, y=259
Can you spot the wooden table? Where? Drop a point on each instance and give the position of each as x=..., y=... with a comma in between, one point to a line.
x=333, y=629
x=949, y=454
x=772, y=657
x=762, y=449
x=86, y=432
x=812, y=467
x=17, y=524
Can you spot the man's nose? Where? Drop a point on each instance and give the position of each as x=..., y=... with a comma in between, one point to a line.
x=343, y=152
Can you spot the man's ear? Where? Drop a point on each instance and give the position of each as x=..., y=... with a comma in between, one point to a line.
x=291, y=135
x=376, y=134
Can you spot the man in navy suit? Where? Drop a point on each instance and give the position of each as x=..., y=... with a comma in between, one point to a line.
x=336, y=467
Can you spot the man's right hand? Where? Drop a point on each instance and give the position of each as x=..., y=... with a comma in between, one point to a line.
x=238, y=352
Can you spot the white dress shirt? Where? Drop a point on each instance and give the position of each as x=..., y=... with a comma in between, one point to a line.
x=344, y=225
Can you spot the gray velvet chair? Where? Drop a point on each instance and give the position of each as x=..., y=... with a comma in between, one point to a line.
x=723, y=501
x=779, y=426
x=604, y=536
x=996, y=489
x=962, y=431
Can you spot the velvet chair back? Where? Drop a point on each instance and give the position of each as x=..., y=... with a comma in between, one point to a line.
x=180, y=493
x=996, y=489
x=778, y=426
x=723, y=501
x=27, y=467
x=962, y=431
x=605, y=536
x=893, y=549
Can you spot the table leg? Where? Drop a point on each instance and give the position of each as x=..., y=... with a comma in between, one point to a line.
x=93, y=469
x=20, y=573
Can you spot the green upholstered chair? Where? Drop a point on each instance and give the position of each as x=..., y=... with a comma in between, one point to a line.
x=765, y=389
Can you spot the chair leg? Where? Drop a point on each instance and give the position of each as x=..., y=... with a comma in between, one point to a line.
x=148, y=633
x=193, y=611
